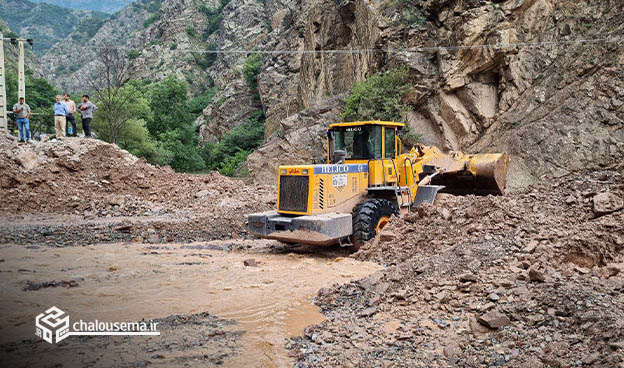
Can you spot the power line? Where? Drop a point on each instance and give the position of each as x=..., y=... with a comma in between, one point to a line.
x=387, y=50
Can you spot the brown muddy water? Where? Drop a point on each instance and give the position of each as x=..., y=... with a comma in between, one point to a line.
x=131, y=282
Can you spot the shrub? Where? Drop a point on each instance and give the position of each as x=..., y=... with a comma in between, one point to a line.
x=214, y=15
x=150, y=20
x=379, y=97
x=133, y=54
x=231, y=165
x=191, y=32
x=197, y=105
x=232, y=150
x=251, y=69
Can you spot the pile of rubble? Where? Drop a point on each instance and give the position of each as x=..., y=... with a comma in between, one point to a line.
x=90, y=179
x=531, y=279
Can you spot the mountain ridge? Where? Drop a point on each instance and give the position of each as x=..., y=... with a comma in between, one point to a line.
x=109, y=6
x=45, y=23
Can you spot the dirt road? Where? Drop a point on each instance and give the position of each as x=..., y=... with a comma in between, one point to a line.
x=253, y=309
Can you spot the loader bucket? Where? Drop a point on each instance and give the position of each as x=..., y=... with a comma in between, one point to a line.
x=482, y=174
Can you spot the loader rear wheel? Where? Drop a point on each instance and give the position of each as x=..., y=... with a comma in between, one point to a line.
x=369, y=218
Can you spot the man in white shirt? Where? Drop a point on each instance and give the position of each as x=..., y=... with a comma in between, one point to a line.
x=71, y=111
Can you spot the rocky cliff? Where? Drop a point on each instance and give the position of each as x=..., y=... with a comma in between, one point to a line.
x=157, y=36
x=540, y=79
x=518, y=78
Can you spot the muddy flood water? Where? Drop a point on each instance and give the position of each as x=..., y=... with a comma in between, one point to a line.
x=252, y=309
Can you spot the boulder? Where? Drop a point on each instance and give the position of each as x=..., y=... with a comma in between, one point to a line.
x=605, y=203
x=536, y=275
x=250, y=263
x=387, y=235
x=28, y=160
x=494, y=320
x=468, y=277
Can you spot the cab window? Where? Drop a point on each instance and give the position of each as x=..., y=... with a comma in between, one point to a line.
x=390, y=136
x=359, y=142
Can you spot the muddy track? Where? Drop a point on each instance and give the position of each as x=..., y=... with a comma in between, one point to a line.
x=215, y=309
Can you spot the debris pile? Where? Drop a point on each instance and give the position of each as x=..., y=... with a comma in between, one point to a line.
x=531, y=279
x=88, y=180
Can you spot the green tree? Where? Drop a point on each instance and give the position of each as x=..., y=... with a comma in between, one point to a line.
x=127, y=104
x=135, y=138
x=168, y=102
x=181, y=144
x=379, y=97
x=234, y=147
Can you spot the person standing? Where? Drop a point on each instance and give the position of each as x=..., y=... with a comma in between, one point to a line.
x=22, y=118
x=71, y=109
x=60, y=112
x=86, y=109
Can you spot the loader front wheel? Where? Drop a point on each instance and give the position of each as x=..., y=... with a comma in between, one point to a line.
x=369, y=218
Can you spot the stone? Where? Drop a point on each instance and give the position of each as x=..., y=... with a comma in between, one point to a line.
x=614, y=269
x=455, y=114
x=494, y=297
x=387, y=235
x=494, y=320
x=367, y=312
x=468, y=277
x=530, y=248
x=480, y=98
x=536, y=275
x=477, y=329
x=446, y=214
x=605, y=203
x=591, y=358
x=202, y=194
x=250, y=263
x=116, y=200
x=452, y=350
x=28, y=160
x=534, y=319
x=570, y=200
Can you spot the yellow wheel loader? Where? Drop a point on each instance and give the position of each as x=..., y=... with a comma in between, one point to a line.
x=365, y=181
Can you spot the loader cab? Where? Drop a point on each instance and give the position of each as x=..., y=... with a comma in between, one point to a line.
x=374, y=143
x=361, y=142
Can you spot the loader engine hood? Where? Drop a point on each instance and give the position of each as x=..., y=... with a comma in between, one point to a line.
x=318, y=189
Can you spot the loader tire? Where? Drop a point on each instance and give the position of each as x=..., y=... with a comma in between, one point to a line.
x=369, y=218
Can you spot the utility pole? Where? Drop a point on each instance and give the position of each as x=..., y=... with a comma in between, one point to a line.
x=21, y=84
x=3, y=107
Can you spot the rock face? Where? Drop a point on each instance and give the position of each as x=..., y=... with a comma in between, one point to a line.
x=302, y=139
x=514, y=80
x=554, y=108
x=161, y=34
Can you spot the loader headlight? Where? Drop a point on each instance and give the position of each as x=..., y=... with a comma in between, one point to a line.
x=304, y=172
